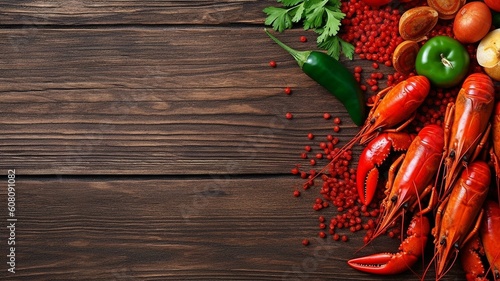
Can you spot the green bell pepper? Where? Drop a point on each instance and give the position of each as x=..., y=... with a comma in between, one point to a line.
x=443, y=60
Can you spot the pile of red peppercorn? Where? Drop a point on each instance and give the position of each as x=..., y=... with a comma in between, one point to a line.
x=338, y=191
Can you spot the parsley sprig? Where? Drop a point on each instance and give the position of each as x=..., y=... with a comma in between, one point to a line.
x=323, y=16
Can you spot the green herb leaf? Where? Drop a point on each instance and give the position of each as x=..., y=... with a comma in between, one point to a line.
x=332, y=25
x=347, y=48
x=314, y=14
x=323, y=16
x=278, y=18
x=290, y=3
x=334, y=46
x=299, y=12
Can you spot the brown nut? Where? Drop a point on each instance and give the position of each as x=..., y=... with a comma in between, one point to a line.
x=415, y=23
x=447, y=9
x=404, y=56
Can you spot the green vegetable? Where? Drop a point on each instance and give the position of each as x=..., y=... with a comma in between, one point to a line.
x=495, y=16
x=323, y=16
x=332, y=75
x=443, y=60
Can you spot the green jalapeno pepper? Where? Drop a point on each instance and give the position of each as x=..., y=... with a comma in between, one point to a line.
x=332, y=75
x=443, y=60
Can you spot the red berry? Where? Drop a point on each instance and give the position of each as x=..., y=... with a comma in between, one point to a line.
x=287, y=90
x=288, y=115
x=327, y=116
x=305, y=242
x=296, y=193
x=310, y=136
x=272, y=64
x=336, y=120
x=303, y=39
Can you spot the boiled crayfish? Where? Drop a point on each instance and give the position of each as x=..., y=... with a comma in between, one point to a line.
x=374, y=155
x=410, y=251
x=485, y=243
x=404, y=190
x=466, y=127
x=495, y=150
x=394, y=106
x=459, y=215
x=447, y=166
x=490, y=236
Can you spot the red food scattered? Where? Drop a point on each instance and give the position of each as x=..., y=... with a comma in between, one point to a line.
x=273, y=64
x=296, y=193
x=374, y=34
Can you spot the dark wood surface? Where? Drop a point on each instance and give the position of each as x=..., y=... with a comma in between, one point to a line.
x=150, y=142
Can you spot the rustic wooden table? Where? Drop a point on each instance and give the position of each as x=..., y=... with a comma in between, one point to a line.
x=149, y=142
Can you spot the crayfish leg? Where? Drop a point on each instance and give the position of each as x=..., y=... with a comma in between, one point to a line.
x=470, y=258
x=379, y=96
x=410, y=251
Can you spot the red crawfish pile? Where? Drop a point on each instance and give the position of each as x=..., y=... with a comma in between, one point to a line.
x=438, y=122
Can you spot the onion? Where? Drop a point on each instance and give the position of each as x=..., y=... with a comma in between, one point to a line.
x=493, y=4
x=472, y=22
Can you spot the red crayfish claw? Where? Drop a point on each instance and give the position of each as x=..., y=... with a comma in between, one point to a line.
x=410, y=251
x=374, y=154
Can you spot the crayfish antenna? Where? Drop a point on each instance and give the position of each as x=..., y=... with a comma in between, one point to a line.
x=454, y=167
x=439, y=276
x=422, y=247
x=427, y=268
x=377, y=231
x=362, y=133
x=440, y=182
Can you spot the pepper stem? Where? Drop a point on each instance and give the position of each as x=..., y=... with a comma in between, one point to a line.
x=299, y=56
x=446, y=62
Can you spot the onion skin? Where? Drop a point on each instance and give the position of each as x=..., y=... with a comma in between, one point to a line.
x=493, y=4
x=416, y=22
x=447, y=9
x=472, y=22
x=404, y=56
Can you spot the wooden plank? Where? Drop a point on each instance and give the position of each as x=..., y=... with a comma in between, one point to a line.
x=157, y=101
x=178, y=229
x=79, y=12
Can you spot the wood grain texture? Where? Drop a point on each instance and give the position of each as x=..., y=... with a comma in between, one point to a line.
x=195, y=229
x=150, y=142
x=125, y=12
x=156, y=101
